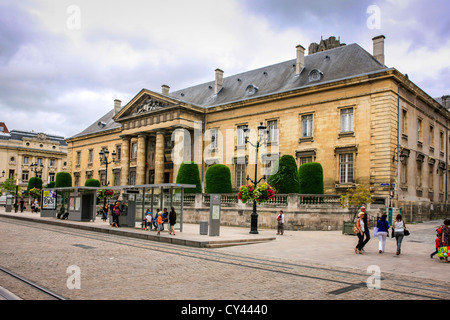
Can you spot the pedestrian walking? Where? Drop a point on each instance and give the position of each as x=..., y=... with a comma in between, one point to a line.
x=22, y=204
x=280, y=220
x=383, y=227
x=366, y=227
x=105, y=213
x=155, y=218
x=360, y=233
x=399, y=231
x=445, y=240
x=172, y=220
x=115, y=215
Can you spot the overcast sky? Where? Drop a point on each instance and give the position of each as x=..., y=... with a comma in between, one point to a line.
x=62, y=63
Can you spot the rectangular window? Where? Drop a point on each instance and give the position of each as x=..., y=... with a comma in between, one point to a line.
x=419, y=130
x=272, y=126
x=304, y=160
x=78, y=158
x=307, y=126
x=116, y=178
x=419, y=174
x=214, y=139
x=52, y=162
x=26, y=160
x=347, y=120
x=91, y=156
x=240, y=135
x=118, y=152
x=441, y=141
x=133, y=150
x=404, y=173
x=404, y=121
x=25, y=176
x=431, y=137
x=346, y=168
x=240, y=175
x=39, y=161
x=431, y=177
x=51, y=177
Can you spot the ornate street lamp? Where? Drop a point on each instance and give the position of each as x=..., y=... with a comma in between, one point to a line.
x=104, y=153
x=262, y=131
x=37, y=169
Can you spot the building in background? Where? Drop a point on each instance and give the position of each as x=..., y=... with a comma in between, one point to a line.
x=341, y=106
x=25, y=154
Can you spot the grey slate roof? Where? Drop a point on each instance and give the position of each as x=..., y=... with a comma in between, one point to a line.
x=19, y=135
x=103, y=124
x=334, y=64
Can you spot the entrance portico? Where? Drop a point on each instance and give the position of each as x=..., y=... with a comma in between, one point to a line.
x=156, y=129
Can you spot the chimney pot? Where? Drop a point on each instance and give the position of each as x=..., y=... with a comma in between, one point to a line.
x=117, y=106
x=300, y=63
x=218, y=81
x=378, y=48
x=165, y=89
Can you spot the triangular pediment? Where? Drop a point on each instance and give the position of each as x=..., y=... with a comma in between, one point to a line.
x=145, y=102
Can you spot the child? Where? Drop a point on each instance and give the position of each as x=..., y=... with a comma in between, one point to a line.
x=160, y=223
x=438, y=242
x=149, y=218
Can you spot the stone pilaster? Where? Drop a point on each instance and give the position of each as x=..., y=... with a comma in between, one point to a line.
x=159, y=158
x=140, y=163
x=125, y=160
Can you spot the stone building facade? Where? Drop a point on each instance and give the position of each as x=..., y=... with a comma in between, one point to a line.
x=366, y=123
x=21, y=150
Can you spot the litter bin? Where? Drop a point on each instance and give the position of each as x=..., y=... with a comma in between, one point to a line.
x=204, y=227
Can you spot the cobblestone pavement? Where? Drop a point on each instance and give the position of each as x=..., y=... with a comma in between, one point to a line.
x=114, y=267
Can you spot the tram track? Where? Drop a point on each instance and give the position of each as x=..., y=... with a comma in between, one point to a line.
x=24, y=289
x=344, y=279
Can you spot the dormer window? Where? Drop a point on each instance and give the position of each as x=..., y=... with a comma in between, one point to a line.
x=251, y=90
x=315, y=75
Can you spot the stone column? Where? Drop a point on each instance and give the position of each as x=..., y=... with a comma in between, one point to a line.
x=159, y=158
x=140, y=161
x=125, y=160
x=181, y=150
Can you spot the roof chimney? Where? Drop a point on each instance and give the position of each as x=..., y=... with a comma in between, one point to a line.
x=117, y=106
x=219, y=81
x=165, y=89
x=300, y=64
x=378, y=48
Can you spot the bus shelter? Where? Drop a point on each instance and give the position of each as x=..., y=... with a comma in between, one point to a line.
x=82, y=203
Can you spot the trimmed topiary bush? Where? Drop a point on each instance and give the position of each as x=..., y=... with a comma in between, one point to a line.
x=218, y=179
x=310, y=176
x=34, y=182
x=51, y=184
x=285, y=176
x=63, y=179
x=189, y=174
x=92, y=183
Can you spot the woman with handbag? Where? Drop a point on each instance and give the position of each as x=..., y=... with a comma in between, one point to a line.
x=360, y=228
x=383, y=227
x=398, y=227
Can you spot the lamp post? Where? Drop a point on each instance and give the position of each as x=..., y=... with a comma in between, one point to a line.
x=104, y=153
x=262, y=130
x=37, y=168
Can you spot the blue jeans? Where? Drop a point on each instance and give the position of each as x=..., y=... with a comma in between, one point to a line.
x=399, y=238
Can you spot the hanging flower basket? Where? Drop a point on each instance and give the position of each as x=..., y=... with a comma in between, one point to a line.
x=35, y=193
x=246, y=192
x=261, y=194
x=105, y=194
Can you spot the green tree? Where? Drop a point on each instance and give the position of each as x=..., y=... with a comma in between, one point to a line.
x=218, y=179
x=92, y=183
x=189, y=174
x=34, y=182
x=9, y=185
x=355, y=198
x=63, y=179
x=284, y=178
x=310, y=176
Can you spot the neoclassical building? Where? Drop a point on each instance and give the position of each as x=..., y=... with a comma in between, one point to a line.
x=365, y=122
x=25, y=154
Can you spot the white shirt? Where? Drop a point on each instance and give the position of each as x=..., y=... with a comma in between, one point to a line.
x=282, y=217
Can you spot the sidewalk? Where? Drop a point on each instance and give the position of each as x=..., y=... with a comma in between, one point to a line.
x=330, y=248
